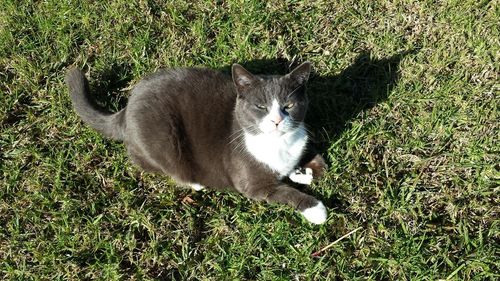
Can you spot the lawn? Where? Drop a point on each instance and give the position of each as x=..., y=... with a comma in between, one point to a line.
x=404, y=105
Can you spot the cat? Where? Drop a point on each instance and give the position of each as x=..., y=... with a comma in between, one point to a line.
x=204, y=128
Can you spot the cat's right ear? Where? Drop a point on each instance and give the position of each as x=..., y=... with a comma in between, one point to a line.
x=242, y=78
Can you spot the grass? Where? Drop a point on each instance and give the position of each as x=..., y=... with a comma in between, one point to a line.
x=404, y=104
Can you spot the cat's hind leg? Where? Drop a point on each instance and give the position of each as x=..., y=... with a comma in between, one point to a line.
x=302, y=176
x=184, y=184
x=317, y=165
x=196, y=186
x=311, y=169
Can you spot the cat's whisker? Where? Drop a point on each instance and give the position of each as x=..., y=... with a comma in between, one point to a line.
x=309, y=132
x=237, y=131
x=241, y=132
x=305, y=126
x=236, y=138
x=240, y=139
x=235, y=135
x=240, y=146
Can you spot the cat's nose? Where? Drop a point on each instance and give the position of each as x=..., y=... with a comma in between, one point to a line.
x=277, y=119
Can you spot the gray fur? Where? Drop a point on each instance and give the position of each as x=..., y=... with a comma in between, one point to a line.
x=104, y=122
x=188, y=123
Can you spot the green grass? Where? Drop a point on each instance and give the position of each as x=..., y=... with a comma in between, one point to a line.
x=404, y=104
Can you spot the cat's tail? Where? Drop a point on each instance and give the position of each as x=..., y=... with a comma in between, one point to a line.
x=109, y=124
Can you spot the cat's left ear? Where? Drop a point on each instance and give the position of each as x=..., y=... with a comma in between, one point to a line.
x=300, y=74
x=242, y=78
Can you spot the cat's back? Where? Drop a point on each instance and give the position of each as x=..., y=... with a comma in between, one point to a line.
x=198, y=99
x=183, y=81
x=184, y=90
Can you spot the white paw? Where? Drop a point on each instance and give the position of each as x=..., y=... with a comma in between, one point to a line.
x=302, y=178
x=316, y=214
x=196, y=186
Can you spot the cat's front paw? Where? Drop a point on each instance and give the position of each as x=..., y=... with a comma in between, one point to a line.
x=302, y=177
x=316, y=214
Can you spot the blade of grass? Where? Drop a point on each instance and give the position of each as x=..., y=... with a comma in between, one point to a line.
x=316, y=254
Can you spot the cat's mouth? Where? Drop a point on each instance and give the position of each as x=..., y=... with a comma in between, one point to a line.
x=277, y=131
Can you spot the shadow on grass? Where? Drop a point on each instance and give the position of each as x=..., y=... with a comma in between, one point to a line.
x=337, y=99
x=113, y=79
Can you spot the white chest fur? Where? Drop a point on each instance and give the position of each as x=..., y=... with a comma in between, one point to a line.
x=280, y=153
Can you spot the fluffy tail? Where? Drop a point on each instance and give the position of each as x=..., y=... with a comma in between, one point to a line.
x=109, y=124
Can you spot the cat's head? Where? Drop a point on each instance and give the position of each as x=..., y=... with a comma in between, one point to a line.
x=271, y=104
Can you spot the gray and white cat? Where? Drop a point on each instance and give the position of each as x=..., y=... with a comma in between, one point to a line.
x=205, y=128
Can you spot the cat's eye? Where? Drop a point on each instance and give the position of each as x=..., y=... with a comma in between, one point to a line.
x=290, y=105
x=260, y=106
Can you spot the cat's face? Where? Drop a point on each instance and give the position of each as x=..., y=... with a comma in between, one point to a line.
x=272, y=104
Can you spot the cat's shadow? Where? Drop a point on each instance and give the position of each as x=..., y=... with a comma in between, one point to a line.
x=336, y=100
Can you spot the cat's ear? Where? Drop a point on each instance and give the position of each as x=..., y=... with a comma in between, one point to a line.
x=242, y=78
x=300, y=74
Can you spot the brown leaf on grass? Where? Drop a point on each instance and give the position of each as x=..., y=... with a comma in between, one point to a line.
x=188, y=200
